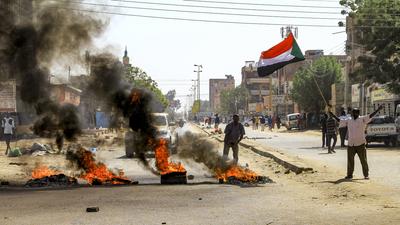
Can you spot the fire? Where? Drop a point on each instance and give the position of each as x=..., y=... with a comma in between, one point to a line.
x=43, y=171
x=162, y=163
x=99, y=172
x=135, y=96
x=240, y=173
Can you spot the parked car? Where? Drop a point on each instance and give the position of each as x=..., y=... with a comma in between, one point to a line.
x=165, y=130
x=292, y=121
x=383, y=129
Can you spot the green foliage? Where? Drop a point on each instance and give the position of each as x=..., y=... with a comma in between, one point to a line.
x=138, y=78
x=233, y=100
x=377, y=30
x=326, y=71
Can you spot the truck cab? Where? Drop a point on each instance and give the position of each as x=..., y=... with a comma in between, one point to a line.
x=383, y=129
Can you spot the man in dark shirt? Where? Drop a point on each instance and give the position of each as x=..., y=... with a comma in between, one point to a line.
x=233, y=135
x=216, y=121
x=331, y=134
x=323, y=128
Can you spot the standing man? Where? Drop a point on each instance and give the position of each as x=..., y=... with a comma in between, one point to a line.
x=331, y=134
x=216, y=121
x=323, y=120
x=262, y=122
x=8, y=125
x=343, y=128
x=356, y=140
x=234, y=132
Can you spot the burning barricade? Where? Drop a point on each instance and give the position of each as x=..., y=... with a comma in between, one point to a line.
x=171, y=173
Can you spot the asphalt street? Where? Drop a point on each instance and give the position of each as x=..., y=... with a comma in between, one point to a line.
x=292, y=199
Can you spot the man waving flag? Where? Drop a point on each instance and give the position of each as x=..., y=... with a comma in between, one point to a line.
x=279, y=56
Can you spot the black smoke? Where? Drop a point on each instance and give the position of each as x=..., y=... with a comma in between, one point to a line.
x=201, y=150
x=31, y=44
x=132, y=103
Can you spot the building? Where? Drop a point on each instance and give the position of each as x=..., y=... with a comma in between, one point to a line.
x=64, y=93
x=216, y=87
x=258, y=87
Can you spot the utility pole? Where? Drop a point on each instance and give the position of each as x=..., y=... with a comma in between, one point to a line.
x=198, y=71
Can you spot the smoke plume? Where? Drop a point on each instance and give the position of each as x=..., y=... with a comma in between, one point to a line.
x=132, y=103
x=201, y=150
x=29, y=47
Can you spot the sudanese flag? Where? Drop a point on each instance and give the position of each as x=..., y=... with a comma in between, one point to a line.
x=279, y=56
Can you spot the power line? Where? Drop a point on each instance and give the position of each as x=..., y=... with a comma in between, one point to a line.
x=195, y=20
x=265, y=4
x=207, y=12
x=226, y=8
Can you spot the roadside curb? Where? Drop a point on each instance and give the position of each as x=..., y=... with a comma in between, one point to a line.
x=289, y=163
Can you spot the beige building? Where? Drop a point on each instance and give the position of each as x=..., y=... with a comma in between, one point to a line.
x=216, y=87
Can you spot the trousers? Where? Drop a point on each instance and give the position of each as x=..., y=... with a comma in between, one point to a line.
x=361, y=151
x=235, y=150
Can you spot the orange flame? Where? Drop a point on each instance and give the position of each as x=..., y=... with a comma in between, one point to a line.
x=135, y=96
x=99, y=172
x=43, y=171
x=240, y=173
x=162, y=163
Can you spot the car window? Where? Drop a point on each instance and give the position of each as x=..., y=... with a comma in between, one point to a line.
x=160, y=121
x=293, y=117
x=382, y=120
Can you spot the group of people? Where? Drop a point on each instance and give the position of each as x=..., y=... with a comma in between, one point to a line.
x=351, y=127
x=264, y=121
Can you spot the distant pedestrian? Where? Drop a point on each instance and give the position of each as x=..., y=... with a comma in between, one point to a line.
x=262, y=122
x=343, y=128
x=270, y=123
x=323, y=120
x=331, y=134
x=257, y=122
x=234, y=132
x=278, y=122
x=356, y=140
x=216, y=121
x=8, y=126
x=253, y=122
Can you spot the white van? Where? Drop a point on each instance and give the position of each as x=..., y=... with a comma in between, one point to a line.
x=292, y=121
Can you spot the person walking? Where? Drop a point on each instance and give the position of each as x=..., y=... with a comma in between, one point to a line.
x=356, y=140
x=262, y=122
x=343, y=128
x=216, y=121
x=323, y=120
x=257, y=122
x=234, y=132
x=253, y=122
x=331, y=134
x=270, y=122
x=278, y=122
x=8, y=125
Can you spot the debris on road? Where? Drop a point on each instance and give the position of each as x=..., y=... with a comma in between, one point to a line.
x=92, y=209
x=52, y=181
x=18, y=164
x=190, y=177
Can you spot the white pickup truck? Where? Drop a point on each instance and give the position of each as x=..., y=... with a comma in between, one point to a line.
x=165, y=130
x=383, y=129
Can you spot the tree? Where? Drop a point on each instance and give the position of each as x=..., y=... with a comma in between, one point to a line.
x=139, y=78
x=234, y=99
x=326, y=71
x=376, y=28
x=173, y=104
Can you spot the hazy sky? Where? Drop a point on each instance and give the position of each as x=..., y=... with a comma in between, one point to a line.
x=168, y=49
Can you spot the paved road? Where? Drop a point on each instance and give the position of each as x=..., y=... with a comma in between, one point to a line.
x=283, y=202
x=384, y=163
